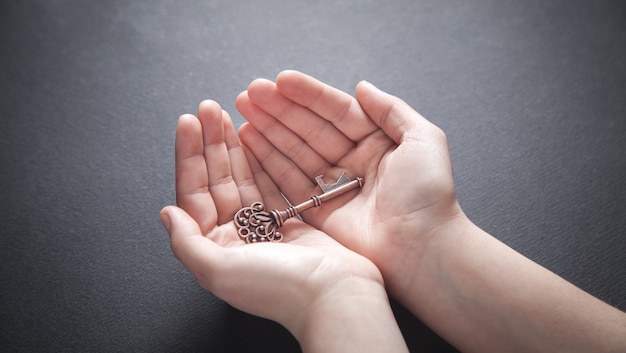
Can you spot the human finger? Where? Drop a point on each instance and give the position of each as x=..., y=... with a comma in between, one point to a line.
x=221, y=184
x=196, y=252
x=282, y=138
x=248, y=190
x=394, y=116
x=313, y=129
x=330, y=103
x=273, y=197
x=268, y=162
x=192, y=192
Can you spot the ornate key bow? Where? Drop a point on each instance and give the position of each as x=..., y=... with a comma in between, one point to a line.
x=254, y=224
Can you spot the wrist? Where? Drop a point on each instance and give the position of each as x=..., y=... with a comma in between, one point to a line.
x=439, y=247
x=353, y=314
x=414, y=246
x=330, y=303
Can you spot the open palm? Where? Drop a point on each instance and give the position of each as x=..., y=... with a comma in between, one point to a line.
x=213, y=180
x=300, y=128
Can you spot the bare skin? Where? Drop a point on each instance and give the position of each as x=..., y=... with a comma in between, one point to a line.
x=309, y=283
x=476, y=292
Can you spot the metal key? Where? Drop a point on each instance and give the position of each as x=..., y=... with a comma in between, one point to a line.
x=254, y=224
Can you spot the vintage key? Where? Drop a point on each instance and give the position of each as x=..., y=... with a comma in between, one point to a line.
x=254, y=224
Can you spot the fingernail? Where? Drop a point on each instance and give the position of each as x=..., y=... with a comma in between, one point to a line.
x=165, y=219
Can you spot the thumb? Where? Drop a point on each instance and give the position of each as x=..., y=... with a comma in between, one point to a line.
x=394, y=116
x=178, y=222
x=188, y=244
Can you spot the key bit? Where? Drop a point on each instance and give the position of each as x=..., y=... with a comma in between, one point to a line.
x=343, y=179
x=254, y=224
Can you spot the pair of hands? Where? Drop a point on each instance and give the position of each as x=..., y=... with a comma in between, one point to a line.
x=299, y=128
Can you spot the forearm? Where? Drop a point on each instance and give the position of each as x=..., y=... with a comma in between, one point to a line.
x=353, y=317
x=481, y=295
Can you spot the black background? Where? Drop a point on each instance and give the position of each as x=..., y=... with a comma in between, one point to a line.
x=532, y=96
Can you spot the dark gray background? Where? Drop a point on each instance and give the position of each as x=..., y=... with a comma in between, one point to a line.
x=532, y=95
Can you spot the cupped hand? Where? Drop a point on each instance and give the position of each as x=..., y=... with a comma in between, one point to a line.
x=300, y=128
x=214, y=179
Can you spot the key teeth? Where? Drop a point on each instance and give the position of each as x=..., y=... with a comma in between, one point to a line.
x=343, y=179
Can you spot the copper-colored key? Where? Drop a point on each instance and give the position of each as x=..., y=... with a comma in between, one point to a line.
x=254, y=224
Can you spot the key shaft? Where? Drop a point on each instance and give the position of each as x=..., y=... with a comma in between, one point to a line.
x=280, y=217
